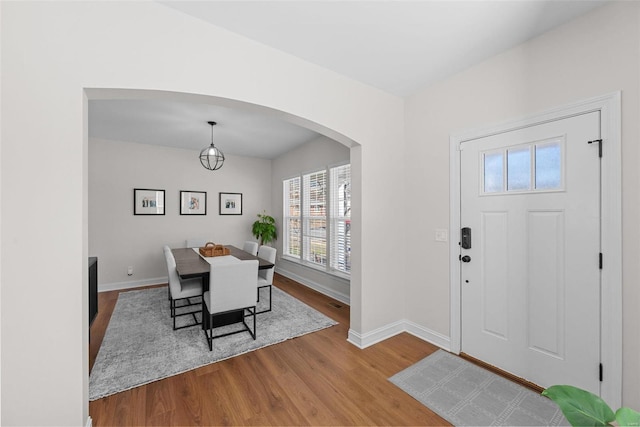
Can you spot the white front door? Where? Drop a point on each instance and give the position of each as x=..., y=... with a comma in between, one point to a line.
x=531, y=281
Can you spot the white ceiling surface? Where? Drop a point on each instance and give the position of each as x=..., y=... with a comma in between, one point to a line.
x=396, y=46
x=184, y=125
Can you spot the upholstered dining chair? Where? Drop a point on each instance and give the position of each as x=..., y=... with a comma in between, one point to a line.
x=251, y=247
x=182, y=290
x=231, y=288
x=265, y=276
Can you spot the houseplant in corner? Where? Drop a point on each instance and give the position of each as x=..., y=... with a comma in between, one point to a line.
x=264, y=229
x=583, y=408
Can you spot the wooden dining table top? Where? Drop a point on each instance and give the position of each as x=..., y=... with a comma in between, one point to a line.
x=190, y=264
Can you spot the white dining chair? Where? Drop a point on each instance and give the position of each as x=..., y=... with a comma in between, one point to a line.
x=189, y=290
x=265, y=276
x=231, y=288
x=250, y=247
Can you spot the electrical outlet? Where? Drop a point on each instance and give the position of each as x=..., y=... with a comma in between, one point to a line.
x=130, y=271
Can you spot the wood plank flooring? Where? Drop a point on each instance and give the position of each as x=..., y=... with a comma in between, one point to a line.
x=316, y=379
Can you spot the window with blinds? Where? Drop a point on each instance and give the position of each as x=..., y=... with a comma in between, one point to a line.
x=292, y=215
x=317, y=218
x=340, y=218
x=314, y=217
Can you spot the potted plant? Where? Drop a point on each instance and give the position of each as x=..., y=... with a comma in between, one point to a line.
x=264, y=229
x=583, y=408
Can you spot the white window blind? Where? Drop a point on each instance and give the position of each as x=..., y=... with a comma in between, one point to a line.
x=292, y=214
x=341, y=218
x=314, y=228
x=317, y=219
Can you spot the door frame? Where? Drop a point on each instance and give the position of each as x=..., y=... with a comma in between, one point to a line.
x=609, y=106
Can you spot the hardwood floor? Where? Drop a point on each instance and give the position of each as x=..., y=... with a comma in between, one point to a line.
x=316, y=379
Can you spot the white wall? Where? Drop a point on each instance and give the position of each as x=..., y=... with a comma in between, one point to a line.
x=120, y=239
x=51, y=51
x=313, y=156
x=594, y=55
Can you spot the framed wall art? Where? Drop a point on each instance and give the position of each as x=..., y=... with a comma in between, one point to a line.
x=148, y=202
x=230, y=203
x=193, y=203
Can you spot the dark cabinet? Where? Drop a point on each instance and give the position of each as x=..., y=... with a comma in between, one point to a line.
x=93, y=288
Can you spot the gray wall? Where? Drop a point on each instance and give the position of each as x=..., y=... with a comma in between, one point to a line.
x=120, y=239
x=315, y=155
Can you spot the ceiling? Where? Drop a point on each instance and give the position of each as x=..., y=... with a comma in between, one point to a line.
x=396, y=46
x=185, y=125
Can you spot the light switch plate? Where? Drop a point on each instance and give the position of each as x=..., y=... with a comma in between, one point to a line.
x=442, y=235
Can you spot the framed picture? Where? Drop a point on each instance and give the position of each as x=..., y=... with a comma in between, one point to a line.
x=148, y=202
x=193, y=203
x=230, y=203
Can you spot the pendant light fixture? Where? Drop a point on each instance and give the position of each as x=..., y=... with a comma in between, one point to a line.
x=211, y=157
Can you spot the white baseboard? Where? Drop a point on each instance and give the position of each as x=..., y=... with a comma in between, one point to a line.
x=315, y=286
x=426, y=334
x=104, y=287
x=375, y=336
x=370, y=338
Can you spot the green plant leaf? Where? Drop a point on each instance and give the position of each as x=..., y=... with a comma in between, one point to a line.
x=264, y=229
x=580, y=407
x=627, y=417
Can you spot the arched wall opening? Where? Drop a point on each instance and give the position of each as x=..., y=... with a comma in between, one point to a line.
x=93, y=94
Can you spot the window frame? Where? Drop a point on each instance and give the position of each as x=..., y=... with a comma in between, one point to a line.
x=532, y=145
x=328, y=235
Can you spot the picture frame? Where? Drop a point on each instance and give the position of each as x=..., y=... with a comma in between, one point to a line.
x=230, y=203
x=148, y=201
x=193, y=202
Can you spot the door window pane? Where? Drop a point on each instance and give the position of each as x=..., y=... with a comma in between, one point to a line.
x=493, y=173
x=548, y=166
x=518, y=169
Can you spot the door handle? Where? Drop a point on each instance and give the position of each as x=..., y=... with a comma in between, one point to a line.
x=465, y=258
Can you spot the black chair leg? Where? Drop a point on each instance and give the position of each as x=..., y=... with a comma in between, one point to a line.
x=270, y=297
x=210, y=332
x=173, y=313
x=207, y=333
x=255, y=314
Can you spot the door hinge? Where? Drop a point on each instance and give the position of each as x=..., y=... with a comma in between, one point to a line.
x=601, y=372
x=600, y=261
x=599, y=141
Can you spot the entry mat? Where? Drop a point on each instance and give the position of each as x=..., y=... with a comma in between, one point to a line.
x=467, y=395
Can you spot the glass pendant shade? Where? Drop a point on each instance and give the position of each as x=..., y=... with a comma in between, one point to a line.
x=211, y=157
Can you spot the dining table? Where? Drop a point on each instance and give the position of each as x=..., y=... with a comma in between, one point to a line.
x=190, y=264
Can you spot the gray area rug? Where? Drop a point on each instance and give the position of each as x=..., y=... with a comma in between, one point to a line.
x=140, y=345
x=467, y=395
